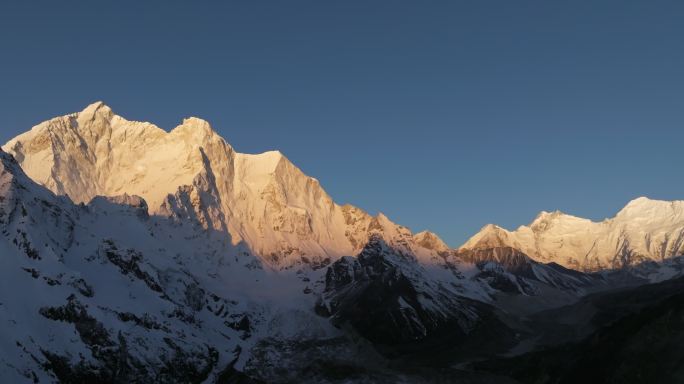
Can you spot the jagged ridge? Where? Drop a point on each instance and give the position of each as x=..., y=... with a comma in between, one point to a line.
x=644, y=230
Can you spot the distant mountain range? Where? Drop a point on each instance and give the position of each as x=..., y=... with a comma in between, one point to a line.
x=132, y=254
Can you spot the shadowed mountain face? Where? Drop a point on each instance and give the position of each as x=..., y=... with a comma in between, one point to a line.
x=628, y=336
x=498, y=263
x=381, y=295
x=134, y=254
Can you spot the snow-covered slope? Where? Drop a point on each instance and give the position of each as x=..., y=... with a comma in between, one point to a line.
x=644, y=230
x=106, y=292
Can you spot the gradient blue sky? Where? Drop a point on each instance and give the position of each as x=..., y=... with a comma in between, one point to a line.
x=443, y=115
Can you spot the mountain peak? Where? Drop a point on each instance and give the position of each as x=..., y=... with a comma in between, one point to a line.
x=383, y=218
x=197, y=123
x=492, y=229
x=546, y=215
x=97, y=108
x=196, y=128
x=544, y=218
x=430, y=240
x=640, y=202
x=95, y=105
x=489, y=236
x=645, y=207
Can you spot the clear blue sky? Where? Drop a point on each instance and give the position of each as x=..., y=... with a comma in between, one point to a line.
x=443, y=115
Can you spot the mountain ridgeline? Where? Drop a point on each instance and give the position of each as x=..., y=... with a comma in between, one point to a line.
x=133, y=254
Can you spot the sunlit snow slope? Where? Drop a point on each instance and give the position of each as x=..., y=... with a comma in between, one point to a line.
x=262, y=201
x=644, y=230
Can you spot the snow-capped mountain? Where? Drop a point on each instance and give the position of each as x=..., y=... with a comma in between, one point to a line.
x=262, y=204
x=114, y=289
x=106, y=292
x=131, y=253
x=644, y=230
x=262, y=201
